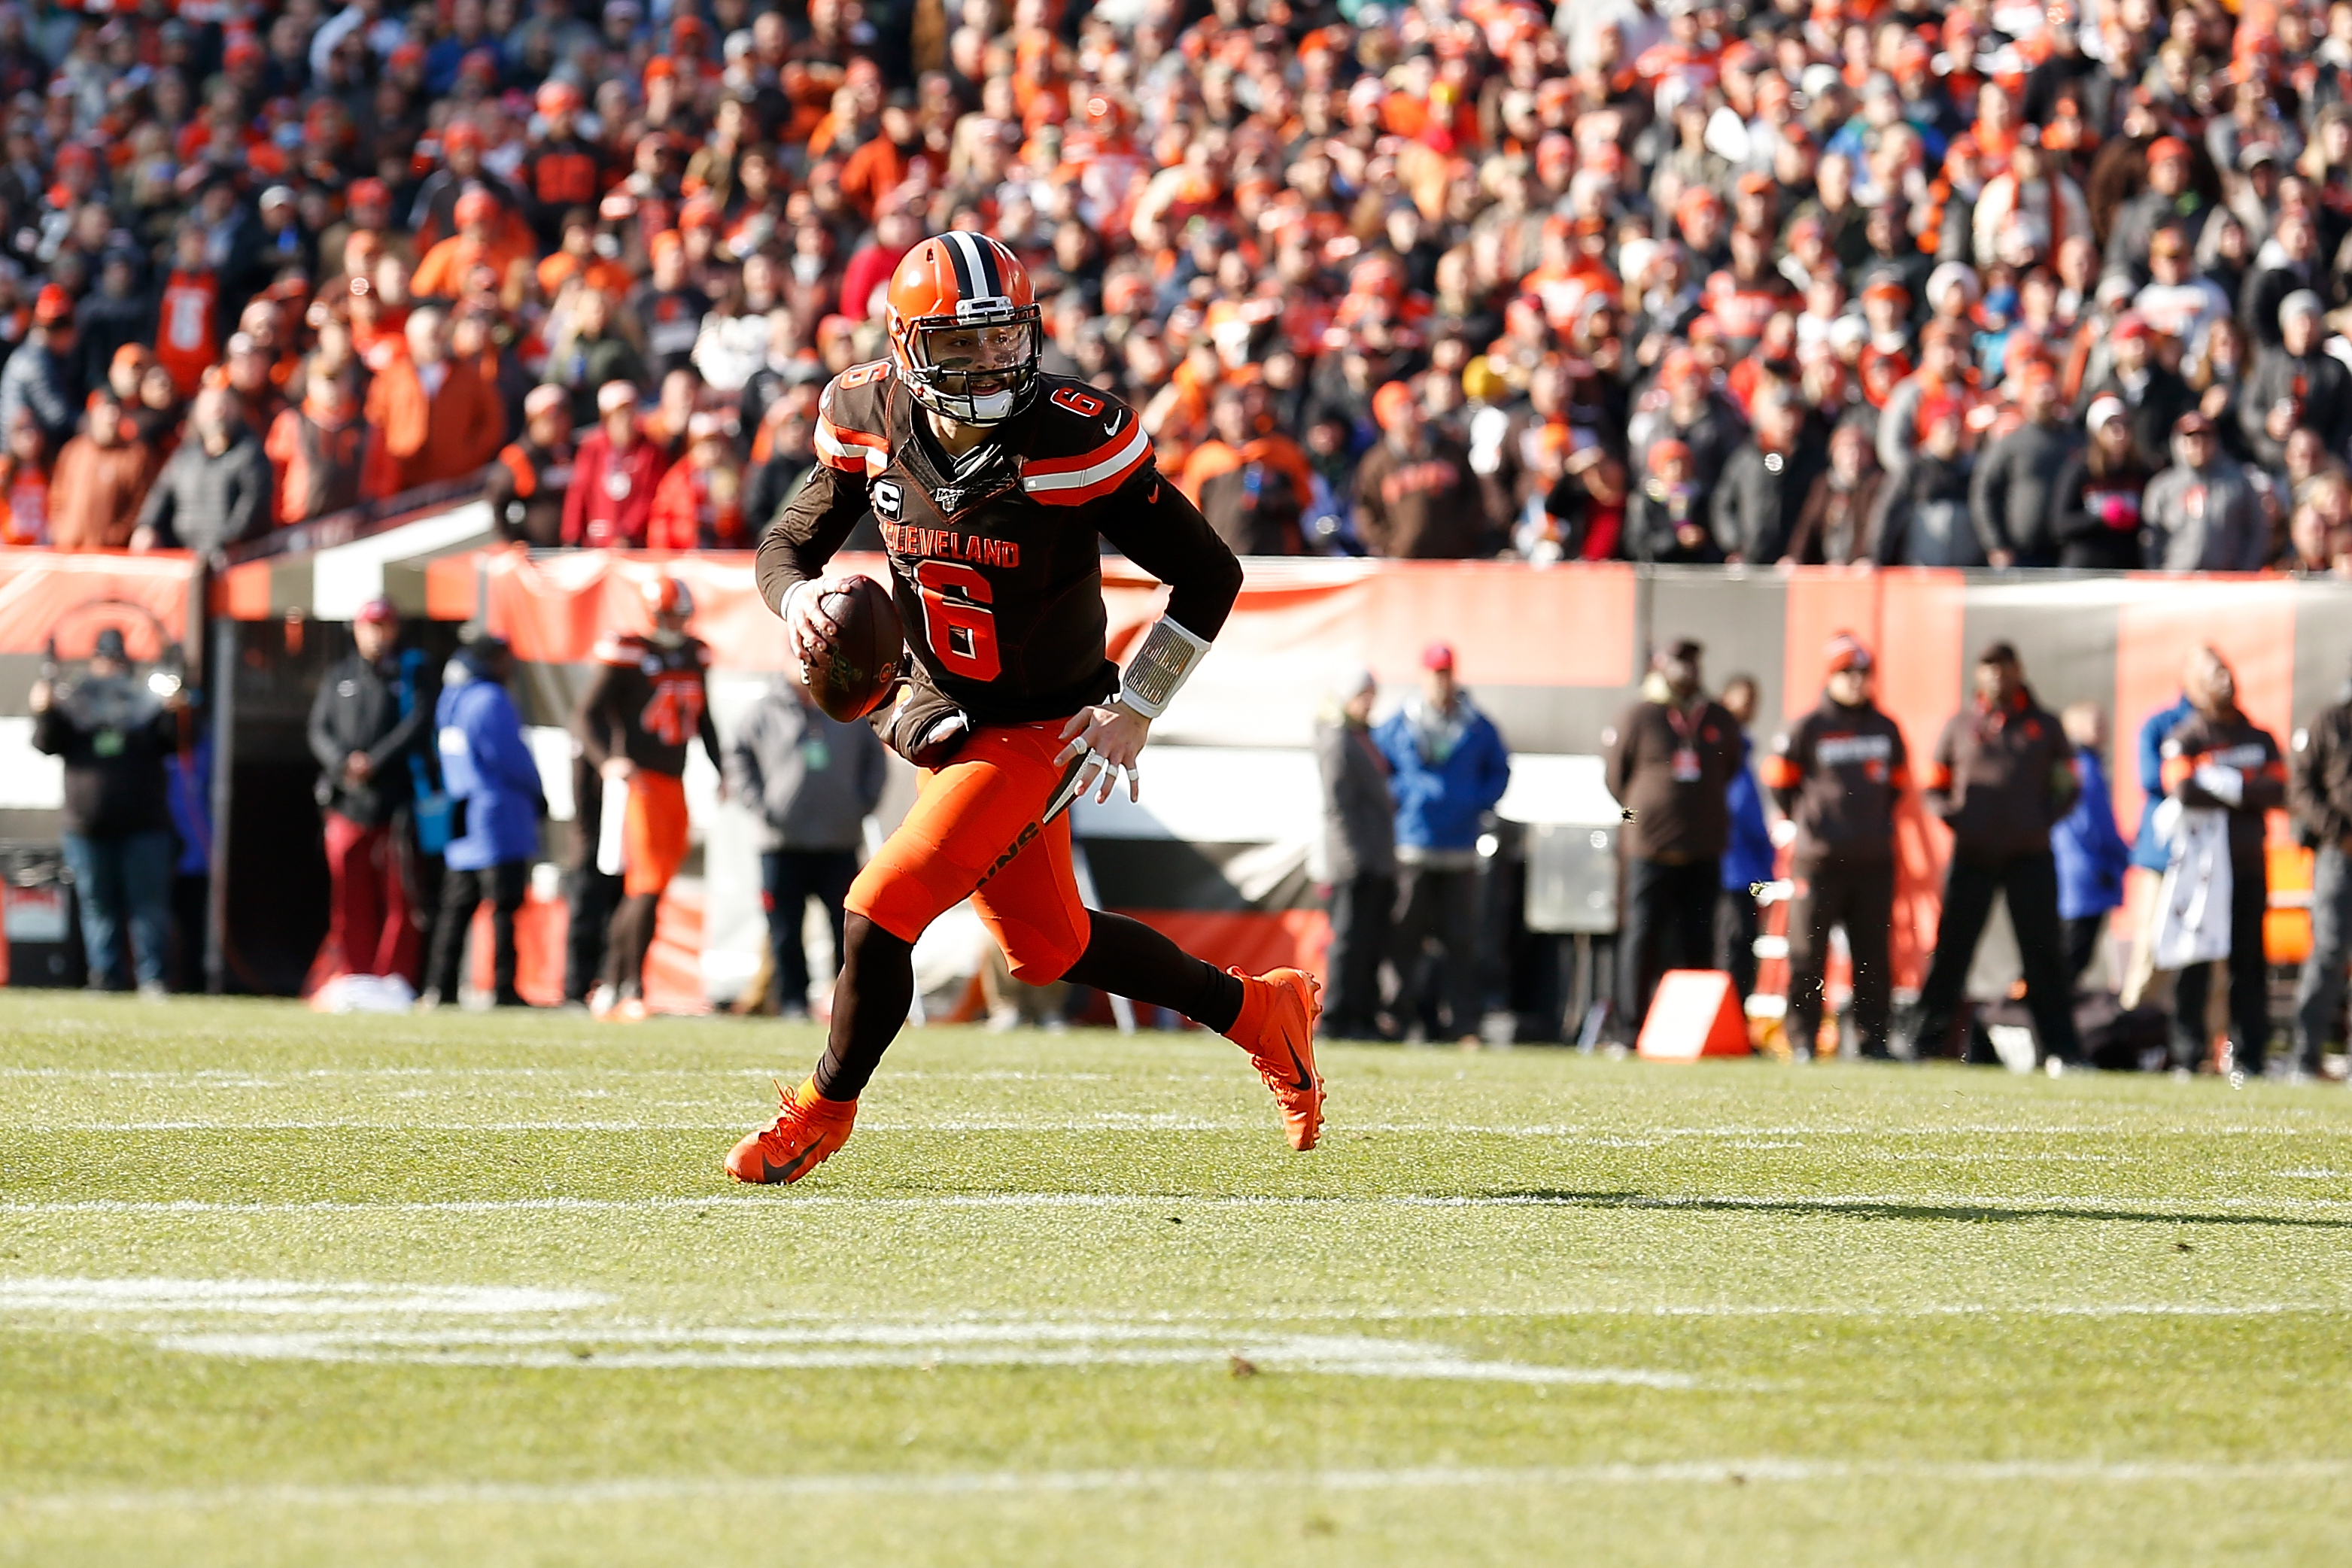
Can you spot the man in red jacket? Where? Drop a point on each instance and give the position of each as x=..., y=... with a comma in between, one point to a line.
x=614, y=476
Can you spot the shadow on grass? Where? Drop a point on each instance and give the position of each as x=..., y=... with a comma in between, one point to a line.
x=1889, y=1209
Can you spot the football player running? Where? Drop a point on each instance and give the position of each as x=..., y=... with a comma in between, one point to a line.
x=994, y=486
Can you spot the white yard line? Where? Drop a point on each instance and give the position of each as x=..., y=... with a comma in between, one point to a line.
x=2040, y=1204
x=1180, y=1483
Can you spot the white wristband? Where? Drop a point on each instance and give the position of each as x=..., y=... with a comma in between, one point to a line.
x=1160, y=666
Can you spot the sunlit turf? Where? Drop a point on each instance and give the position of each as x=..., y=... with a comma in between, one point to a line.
x=276, y=1288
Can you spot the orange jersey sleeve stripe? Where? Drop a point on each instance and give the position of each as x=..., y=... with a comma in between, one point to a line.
x=2176, y=769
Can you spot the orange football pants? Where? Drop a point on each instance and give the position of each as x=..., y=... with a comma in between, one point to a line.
x=652, y=833
x=975, y=832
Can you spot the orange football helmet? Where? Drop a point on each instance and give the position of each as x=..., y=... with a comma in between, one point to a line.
x=668, y=597
x=965, y=329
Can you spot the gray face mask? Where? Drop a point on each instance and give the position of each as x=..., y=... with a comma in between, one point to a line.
x=666, y=638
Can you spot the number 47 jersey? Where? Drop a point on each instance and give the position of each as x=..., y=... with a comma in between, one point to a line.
x=996, y=558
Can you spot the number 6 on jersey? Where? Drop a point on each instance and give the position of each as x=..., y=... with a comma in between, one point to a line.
x=961, y=629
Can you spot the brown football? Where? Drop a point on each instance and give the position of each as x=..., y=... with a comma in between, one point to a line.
x=854, y=675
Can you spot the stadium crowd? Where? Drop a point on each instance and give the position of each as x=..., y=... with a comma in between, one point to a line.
x=2005, y=284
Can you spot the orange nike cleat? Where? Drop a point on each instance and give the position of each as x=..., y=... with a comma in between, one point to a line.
x=1276, y=1027
x=804, y=1136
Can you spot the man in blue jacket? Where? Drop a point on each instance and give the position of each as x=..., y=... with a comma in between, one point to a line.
x=488, y=769
x=2091, y=853
x=1447, y=767
x=1748, y=857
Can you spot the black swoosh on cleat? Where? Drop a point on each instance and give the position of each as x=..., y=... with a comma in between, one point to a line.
x=770, y=1173
x=1306, y=1080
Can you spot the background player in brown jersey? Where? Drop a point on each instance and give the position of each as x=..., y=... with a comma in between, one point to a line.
x=645, y=705
x=994, y=486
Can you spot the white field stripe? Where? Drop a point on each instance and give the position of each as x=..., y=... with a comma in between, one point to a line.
x=290, y=1297
x=284, y=1297
x=1178, y=1483
x=2026, y=1207
x=883, y=1347
x=730, y=1115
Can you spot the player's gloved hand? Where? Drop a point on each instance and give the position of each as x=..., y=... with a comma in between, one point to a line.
x=1110, y=738
x=809, y=629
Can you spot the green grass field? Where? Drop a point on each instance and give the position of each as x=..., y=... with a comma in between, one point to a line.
x=282, y=1289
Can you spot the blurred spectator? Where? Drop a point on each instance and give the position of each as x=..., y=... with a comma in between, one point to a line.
x=1924, y=509
x=2155, y=397
x=1763, y=487
x=2321, y=795
x=369, y=728
x=527, y=486
x=2013, y=498
x=215, y=492
x=2294, y=385
x=2098, y=493
x=43, y=377
x=1839, y=776
x=316, y=448
x=2001, y=780
x=811, y=782
x=2218, y=759
x=1251, y=480
x=113, y=733
x=1360, y=857
x=699, y=505
x=1669, y=522
x=100, y=481
x=1447, y=767
x=24, y=484
x=2202, y=514
x=1416, y=497
x=1833, y=528
x=432, y=415
x=1671, y=759
x=487, y=770
x=590, y=354
x=614, y=476
x=2092, y=856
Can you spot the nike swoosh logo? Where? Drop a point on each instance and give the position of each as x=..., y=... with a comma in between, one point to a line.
x=1306, y=1080
x=772, y=1172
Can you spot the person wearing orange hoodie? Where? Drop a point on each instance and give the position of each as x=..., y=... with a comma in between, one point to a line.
x=431, y=416
x=316, y=450
x=101, y=477
x=450, y=269
x=699, y=502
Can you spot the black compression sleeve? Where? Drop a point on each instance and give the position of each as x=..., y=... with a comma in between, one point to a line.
x=1153, y=525
x=1128, y=958
x=869, y=1007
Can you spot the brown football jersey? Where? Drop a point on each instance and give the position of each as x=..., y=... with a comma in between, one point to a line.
x=647, y=703
x=996, y=559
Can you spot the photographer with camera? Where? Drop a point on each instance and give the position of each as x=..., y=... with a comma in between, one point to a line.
x=113, y=732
